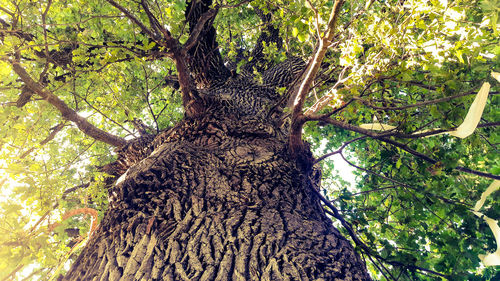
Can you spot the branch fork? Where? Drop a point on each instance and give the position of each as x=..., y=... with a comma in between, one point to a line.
x=300, y=90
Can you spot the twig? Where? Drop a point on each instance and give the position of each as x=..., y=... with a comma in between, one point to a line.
x=134, y=20
x=13, y=273
x=367, y=103
x=433, y=161
x=338, y=150
x=335, y=213
x=50, y=137
x=384, y=137
x=324, y=100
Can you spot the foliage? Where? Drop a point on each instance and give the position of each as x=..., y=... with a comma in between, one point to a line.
x=386, y=61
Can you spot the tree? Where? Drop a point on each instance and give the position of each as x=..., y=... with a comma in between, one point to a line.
x=197, y=133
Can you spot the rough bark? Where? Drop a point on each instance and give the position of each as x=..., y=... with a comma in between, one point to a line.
x=217, y=200
x=220, y=196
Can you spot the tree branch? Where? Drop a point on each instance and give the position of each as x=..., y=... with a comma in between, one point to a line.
x=50, y=137
x=65, y=110
x=190, y=99
x=204, y=59
x=144, y=28
x=335, y=213
x=338, y=150
x=433, y=161
x=195, y=33
x=419, y=104
x=300, y=90
x=268, y=35
x=348, y=126
x=384, y=137
x=12, y=274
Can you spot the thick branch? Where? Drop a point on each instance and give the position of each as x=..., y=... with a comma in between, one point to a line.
x=270, y=34
x=65, y=110
x=300, y=90
x=195, y=33
x=190, y=99
x=205, y=61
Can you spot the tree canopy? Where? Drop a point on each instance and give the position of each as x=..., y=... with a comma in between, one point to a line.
x=388, y=85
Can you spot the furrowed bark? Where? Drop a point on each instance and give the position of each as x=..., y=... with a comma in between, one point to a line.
x=220, y=198
x=205, y=62
x=68, y=113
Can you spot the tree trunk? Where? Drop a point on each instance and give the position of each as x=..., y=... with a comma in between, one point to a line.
x=219, y=198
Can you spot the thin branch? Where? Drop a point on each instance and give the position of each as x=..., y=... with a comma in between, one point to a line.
x=349, y=127
x=369, y=191
x=316, y=18
x=335, y=213
x=338, y=150
x=13, y=273
x=487, y=125
x=362, y=245
x=65, y=110
x=229, y=6
x=324, y=100
x=35, y=272
x=50, y=137
x=190, y=99
x=6, y=11
x=445, y=200
x=417, y=83
x=154, y=21
x=419, y=104
x=433, y=161
x=144, y=28
x=423, y=134
x=300, y=91
x=383, y=137
x=69, y=190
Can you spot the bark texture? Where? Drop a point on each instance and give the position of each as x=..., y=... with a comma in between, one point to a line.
x=218, y=198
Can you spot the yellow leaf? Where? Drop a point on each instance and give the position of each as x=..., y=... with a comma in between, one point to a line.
x=377, y=126
x=491, y=259
x=494, y=186
x=496, y=75
x=474, y=115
